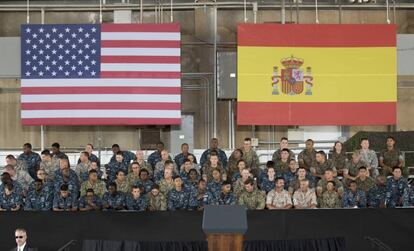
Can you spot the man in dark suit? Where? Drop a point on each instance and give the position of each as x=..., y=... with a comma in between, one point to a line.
x=21, y=241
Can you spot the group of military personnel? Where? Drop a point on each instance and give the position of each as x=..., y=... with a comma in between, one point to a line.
x=129, y=182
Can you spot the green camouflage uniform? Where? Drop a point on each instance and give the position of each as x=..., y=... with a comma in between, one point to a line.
x=99, y=188
x=276, y=155
x=391, y=158
x=252, y=161
x=308, y=158
x=157, y=203
x=166, y=186
x=253, y=200
x=366, y=184
x=330, y=199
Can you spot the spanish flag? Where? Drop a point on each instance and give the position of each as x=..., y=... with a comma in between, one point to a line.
x=316, y=74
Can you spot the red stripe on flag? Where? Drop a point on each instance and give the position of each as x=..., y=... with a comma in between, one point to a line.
x=141, y=59
x=141, y=74
x=100, y=121
x=174, y=27
x=312, y=113
x=101, y=106
x=140, y=44
x=317, y=35
x=100, y=90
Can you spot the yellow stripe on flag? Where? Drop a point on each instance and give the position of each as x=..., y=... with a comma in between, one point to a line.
x=339, y=74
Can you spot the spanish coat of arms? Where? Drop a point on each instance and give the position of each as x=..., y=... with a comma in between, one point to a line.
x=292, y=77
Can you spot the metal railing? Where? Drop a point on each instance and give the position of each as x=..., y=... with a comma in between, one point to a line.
x=67, y=246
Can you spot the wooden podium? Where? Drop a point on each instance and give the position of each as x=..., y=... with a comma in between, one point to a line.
x=225, y=227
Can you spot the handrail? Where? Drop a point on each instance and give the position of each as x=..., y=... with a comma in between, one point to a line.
x=67, y=245
x=375, y=242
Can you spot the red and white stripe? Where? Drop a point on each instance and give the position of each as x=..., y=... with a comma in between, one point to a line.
x=140, y=83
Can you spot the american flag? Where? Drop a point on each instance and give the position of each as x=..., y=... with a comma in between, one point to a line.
x=100, y=74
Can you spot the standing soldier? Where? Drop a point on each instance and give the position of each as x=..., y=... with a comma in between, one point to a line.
x=391, y=157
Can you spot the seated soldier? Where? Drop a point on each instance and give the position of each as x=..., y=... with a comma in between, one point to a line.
x=167, y=184
x=113, y=200
x=10, y=200
x=322, y=164
x=133, y=175
x=226, y=196
x=263, y=173
x=282, y=165
x=90, y=202
x=159, y=174
x=178, y=197
x=307, y=157
x=185, y=171
x=304, y=197
x=47, y=185
x=214, y=186
x=64, y=200
x=156, y=200
x=239, y=185
x=92, y=157
x=321, y=187
x=279, y=198
x=234, y=158
x=376, y=195
x=353, y=197
x=302, y=174
x=269, y=182
x=83, y=166
x=6, y=179
x=330, y=198
x=350, y=172
x=69, y=178
x=397, y=189
x=192, y=180
x=390, y=157
x=97, y=185
x=161, y=165
x=363, y=181
x=241, y=165
x=207, y=169
x=121, y=182
x=38, y=199
x=17, y=164
x=135, y=201
x=143, y=164
x=291, y=173
x=252, y=198
x=284, y=144
x=48, y=164
x=201, y=196
x=20, y=176
x=93, y=166
x=114, y=166
x=144, y=181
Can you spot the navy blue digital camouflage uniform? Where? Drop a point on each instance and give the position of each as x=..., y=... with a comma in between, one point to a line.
x=139, y=204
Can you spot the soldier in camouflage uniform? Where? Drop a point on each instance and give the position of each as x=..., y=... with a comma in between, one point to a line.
x=10, y=200
x=282, y=165
x=338, y=157
x=239, y=185
x=390, y=158
x=165, y=161
x=398, y=190
x=234, y=159
x=93, y=166
x=321, y=165
x=321, y=187
x=351, y=170
x=291, y=174
x=6, y=179
x=135, y=201
x=143, y=164
x=354, y=197
x=113, y=200
x=69, y=178
x=330, y=198
x=369, y=158
x=214, y=148
x=156, y=200
x=98, y=186
x=363, y=181
x=31, y=159
x=49, y=165
x=122, y=183
x=307, y=158
x=304, y=197
x=179, y=198
x=284, y=144
x=200, y=196
x=133, y=176
x=250, y=156
x=127, y=156
x=252, y=198
x=89, y=202
x=226, y=196
x=192, y=180
x=214, y=186
x=20, y=176
x=47, y=185
x=278, y=198
x=92, y=157
x=180, y=158
x=207, y=169
x=376, y=195
x=144, y=181
x=114, y=166
x=37, y=199
x=166, y=184
x=268, y=183
x=302, y=174
x=64, y=200
x=18, y=164
x=155, y=157
x=83, y=166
